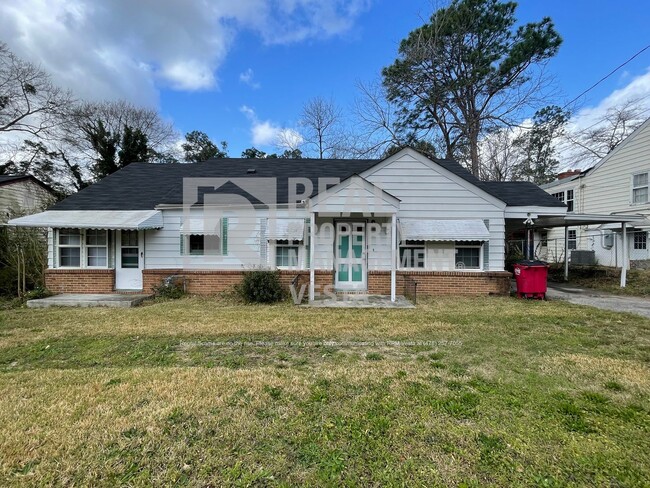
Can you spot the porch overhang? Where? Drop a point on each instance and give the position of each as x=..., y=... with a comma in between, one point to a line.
x=573, y=220
x=92, y=219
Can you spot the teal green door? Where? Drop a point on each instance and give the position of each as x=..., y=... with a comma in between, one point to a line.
x=350, y=256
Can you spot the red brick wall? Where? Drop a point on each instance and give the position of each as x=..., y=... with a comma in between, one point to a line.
x=208, y=282
x=80, y=280
x=437, y=283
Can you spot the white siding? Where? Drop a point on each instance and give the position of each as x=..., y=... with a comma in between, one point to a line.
x=22, y=196
x=607, y=189
x=429, y=192
x=163, y=246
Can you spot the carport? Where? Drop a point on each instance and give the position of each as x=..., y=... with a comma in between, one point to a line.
x=576, y=220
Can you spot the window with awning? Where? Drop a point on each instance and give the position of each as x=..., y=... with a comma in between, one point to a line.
x=93, y=219
x=443, y=230
x=285, y=229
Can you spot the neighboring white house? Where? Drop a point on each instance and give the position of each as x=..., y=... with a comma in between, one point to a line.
x=342, y=225
x=617, y=185
x=23, y=194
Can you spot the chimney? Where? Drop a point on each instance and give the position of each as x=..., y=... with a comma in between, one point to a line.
x=566, y=174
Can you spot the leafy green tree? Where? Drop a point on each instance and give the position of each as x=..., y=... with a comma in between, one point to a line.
x=105, y=145
x=134, y=147
x=199, y=147
x=292, y=154
x=537, y=145
x=253, y=153
x=469, y=70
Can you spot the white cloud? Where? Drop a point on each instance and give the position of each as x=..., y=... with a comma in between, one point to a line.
x=637, y=89
x=267, y=133
x=119, y=48
x=247, y=77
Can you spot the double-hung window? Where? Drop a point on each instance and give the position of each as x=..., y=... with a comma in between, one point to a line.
x=559, y=196
x=286, y=254
x=569, y=200
x=573, y=239
x=640, y=188
x=468, y=255
x=640, y=240
x=70, y=248
x=96, y=248
x=412, y=254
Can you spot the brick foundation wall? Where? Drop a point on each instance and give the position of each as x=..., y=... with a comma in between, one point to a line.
x=80, y=280
x=436, y=283
x=209, y=282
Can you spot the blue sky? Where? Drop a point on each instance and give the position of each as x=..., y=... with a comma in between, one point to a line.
x=200, y=65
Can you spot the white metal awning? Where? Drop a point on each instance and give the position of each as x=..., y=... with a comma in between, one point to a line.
x=286, y=229
x=92, y=219
x=201, y=226
x=443, y=230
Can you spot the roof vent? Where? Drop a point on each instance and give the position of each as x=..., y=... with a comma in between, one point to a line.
x=251, y=171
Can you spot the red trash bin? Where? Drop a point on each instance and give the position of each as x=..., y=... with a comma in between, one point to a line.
x=531, y=277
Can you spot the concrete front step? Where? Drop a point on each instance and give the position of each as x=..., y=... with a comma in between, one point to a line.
x=88, y=300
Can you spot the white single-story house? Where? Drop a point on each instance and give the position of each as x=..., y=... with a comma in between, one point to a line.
x=363, y=226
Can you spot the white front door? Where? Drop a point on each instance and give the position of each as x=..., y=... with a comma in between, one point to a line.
x=129, y=260
x=350, y=256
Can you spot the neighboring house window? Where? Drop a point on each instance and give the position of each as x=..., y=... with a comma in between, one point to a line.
x=411, y=254
x=640, y=188
x=96, y=248
x=569, y=200
x=565, y=197
x=573, y=239
x=640, y=240
x=468, y=255
x=70, y=248
x=286, y=254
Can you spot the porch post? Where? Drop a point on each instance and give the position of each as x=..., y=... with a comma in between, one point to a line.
x=312, y=245
x=393, y=255
x=566, y=253
x=625, y=257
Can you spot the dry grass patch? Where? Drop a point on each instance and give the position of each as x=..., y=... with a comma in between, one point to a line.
x=208, y=393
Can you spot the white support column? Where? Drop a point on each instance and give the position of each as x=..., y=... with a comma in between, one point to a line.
x=312, y=246
x=626, y=259
x=566, y=253
x=393, y=255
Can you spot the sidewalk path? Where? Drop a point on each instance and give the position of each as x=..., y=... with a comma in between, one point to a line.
x=593, y=298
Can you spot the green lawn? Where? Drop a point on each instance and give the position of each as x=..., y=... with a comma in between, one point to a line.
x=460, y=392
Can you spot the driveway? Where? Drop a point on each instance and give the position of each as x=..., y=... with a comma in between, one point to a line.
x=593, y=298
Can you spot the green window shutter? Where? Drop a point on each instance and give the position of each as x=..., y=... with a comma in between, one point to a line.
x=224, y=236
x=308, y=241
x=486, y=249
x=182, y=241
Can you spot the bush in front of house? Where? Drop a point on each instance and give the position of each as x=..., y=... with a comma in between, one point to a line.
x=170, y=288
x=261, y=286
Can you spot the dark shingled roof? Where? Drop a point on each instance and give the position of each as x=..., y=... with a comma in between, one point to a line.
x=522, y=193
x=7, y=178
x=142, y=186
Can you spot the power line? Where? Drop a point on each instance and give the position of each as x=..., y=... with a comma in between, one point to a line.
x=607, y=76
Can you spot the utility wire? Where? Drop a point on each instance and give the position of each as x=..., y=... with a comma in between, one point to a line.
x=607, y=76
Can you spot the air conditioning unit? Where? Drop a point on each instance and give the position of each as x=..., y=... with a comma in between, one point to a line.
x=585, y=258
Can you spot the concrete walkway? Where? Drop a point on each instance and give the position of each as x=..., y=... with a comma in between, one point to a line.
x=88, y=300
x=360, y=301
x=593, y=298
